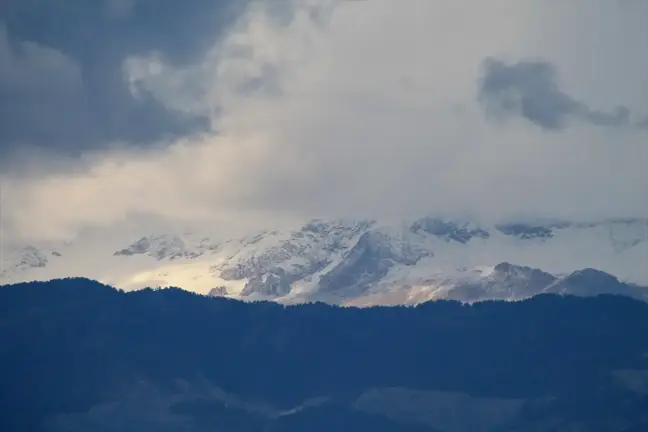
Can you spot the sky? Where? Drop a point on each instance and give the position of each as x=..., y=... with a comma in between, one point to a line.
x=251, y=113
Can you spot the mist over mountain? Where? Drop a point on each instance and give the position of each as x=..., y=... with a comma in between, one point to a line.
x=359, y=262
x=323, y=215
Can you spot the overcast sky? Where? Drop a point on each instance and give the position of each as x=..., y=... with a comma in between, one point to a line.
x=244, y=113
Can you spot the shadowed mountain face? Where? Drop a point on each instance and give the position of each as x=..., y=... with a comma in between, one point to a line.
x=588, y=282
x=355, y=262
x=80, y=356
x=449, y=230
x=506, y=282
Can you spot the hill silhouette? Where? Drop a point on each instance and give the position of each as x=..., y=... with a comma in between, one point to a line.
x=78, y=355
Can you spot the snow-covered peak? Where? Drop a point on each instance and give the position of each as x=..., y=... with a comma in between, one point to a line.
x=272, y=261
x=159, y=246
x=26, y=257
x=361, y=261
x=591, y=282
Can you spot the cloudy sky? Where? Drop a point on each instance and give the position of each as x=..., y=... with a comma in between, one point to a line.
x=243, y=113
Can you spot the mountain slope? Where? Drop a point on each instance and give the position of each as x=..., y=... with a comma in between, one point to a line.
x=81, y=356
x=355, y=261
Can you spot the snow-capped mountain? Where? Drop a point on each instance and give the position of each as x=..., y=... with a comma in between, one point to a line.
x=20, y=260
x=361, y=262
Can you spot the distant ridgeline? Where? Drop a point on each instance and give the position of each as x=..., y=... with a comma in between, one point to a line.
x=80, y=356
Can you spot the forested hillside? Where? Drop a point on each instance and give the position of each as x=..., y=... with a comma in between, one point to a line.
x=80, y=356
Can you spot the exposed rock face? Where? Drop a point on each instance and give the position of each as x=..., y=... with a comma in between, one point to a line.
x=526, y=231
x=506, y=282
x=33, y=257
x=220, y=291
x=362, y=261
x=591, y=282
x=275, y=284
x=24, y=259
x=369, y=260
x=449, y=230
x=340, y=260
x=159, y=247
x=288, y=258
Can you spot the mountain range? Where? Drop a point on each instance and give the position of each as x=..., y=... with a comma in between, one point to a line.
x=359, y=262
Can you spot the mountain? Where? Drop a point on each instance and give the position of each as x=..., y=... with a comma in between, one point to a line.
x=25, y=258
x=81, y=356
x=358, y=262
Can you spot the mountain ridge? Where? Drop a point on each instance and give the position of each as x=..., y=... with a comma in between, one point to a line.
x=342, y=261
x=83, y=356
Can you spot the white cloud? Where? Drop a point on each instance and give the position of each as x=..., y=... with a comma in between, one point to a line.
x=372, y=111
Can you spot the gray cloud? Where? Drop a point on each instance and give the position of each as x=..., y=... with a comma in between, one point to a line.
x=530, y=89
x=62, y=84
x=314, y=120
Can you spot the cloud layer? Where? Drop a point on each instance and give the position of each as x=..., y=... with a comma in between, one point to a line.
x=374, y=109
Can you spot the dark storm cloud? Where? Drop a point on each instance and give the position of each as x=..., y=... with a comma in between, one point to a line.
x=529, y=88
x=62, y=85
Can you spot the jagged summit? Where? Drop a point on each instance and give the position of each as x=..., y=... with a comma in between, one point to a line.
x=361, y=261
x=159, y=246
